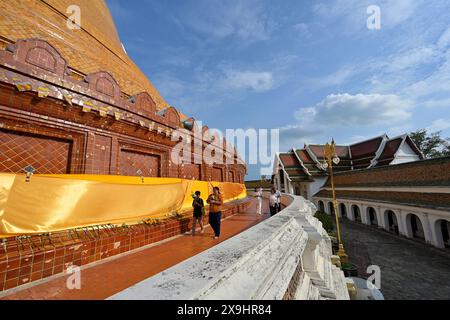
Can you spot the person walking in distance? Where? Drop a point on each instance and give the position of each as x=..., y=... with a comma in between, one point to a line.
x=215, y=201
x=258, y=194
x=273, y=202
x=278, y=193
x=199, y=207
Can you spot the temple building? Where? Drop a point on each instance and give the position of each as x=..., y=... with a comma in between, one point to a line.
x=382, y=182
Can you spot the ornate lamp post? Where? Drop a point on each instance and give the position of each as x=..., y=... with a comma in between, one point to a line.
x=331, y=157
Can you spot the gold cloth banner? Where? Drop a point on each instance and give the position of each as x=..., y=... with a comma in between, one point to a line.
x=51, y=203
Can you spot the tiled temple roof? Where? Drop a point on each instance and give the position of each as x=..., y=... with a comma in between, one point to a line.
x=392, y=146
x=378, y=151
x=295, y=170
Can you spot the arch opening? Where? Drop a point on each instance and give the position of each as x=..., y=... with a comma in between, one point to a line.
x=372, y=216
x=321, y=206
x=415, y=227
x=331, y=208
x=444, y=229
x=343, y=210
x=392, y=222
x=356, y=213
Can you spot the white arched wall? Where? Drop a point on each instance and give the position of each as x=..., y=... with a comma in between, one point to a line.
x=423, y=220
x=360, y=209
x=320, y=207
x=436, y=232
x=339, y=205
x=367, y=214
x=428, y=217
x=348, y=207
x=330, y=207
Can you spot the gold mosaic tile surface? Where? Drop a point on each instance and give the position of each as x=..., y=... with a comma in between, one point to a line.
x=94, y=47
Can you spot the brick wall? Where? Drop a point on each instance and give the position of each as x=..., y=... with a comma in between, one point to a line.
x=432, y=172
x=115, y=135
x=293, y=284
x=49, y=155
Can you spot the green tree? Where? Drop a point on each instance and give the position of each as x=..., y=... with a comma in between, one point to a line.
x=432, y=145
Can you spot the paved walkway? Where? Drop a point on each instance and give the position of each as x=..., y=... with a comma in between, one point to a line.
x=409, y=270
x=105, y=279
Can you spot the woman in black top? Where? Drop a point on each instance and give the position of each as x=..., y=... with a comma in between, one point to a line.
x=198, y=211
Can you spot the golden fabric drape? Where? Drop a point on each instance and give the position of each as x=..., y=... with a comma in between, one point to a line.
x=51, y=203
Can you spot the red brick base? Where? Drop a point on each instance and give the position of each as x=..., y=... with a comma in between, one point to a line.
x=24, y=260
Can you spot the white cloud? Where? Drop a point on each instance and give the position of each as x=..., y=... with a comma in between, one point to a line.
x=257, y=81
x=437, y=82
x=297, y=135
x=346, y=111
x=398, y=11
x=336, y=78
x=436, y=103
x=302, y=30
x=439, y=125
x=356, y=110
x=444, y=39
x=352, y=13
x=246, y=20
x=410, y=59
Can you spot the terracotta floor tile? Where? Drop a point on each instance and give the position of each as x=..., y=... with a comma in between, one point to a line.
x=103, y=280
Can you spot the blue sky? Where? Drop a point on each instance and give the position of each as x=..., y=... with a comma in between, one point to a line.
x=310, y=68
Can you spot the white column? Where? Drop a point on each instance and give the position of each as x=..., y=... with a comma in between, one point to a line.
x=426, y=228
x=351, y=214
x=339, y=210
x=286, y=182
x=403, y=227
x=348, y=210
x=436, y=232
x=279, y=181
x=382, y=219
x=364, y=215
x=379, y=217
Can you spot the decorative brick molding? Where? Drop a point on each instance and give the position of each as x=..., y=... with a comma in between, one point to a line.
x=91, y=115
x=104, y=83
x=39, y=53
x=144, y=104
x=171, y=116
x=190, y=124
x=27, y=259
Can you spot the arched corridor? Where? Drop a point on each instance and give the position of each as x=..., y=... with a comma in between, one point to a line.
x=372, y=216
x=330, y=208
x=414, y=227
x=343, y=210
x=356, y=213
x=321, y=206
x=426, y=225
x=392, y=221
x=442, y=229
